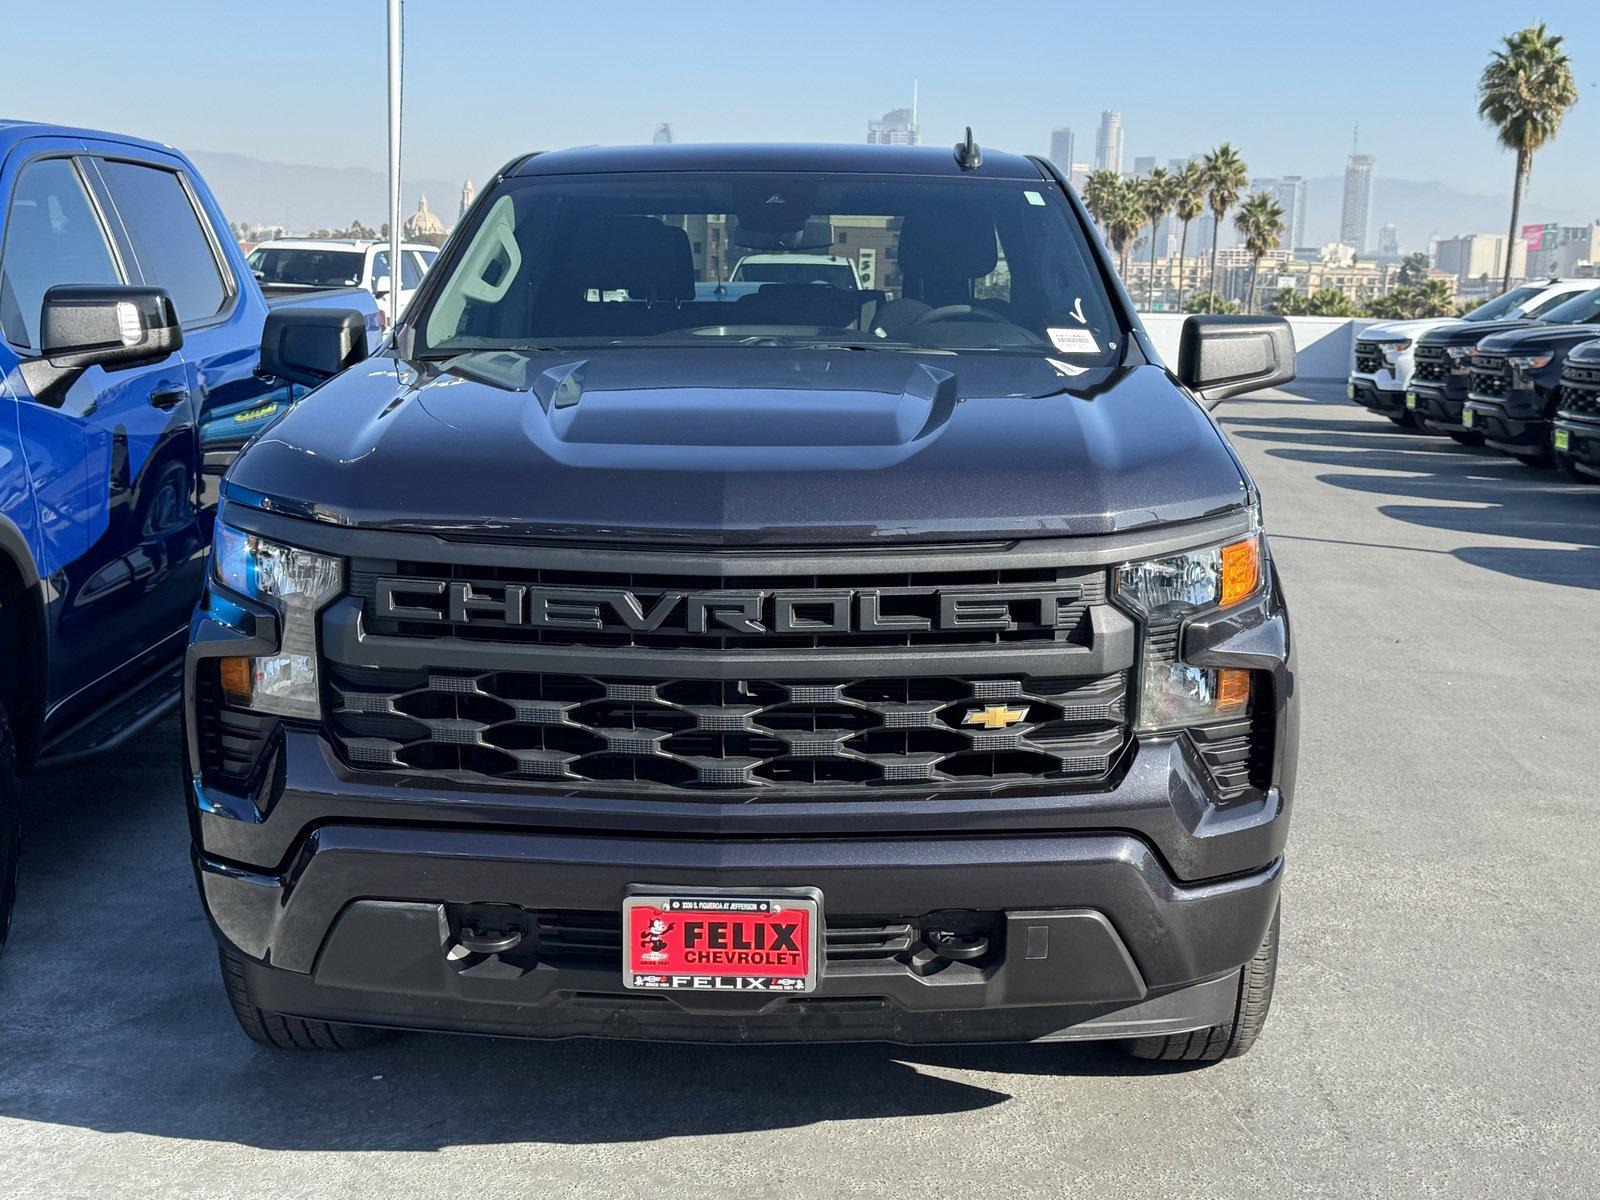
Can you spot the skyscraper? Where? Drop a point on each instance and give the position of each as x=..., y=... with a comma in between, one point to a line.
x=468, y=194
x=663, y=135
x=897, y=127
x=1356, y=217
x=1290, y=193
x=1062, y=144
x=1144, y=164
x=1108, y=142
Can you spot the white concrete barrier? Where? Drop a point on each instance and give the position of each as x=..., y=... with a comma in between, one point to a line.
x=1323, y=345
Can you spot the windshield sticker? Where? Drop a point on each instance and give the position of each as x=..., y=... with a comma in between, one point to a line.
x=1074, y=341
x=1066, y=368
x=1077, y=312
x=1034, y=198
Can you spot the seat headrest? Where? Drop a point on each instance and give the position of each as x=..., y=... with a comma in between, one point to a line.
x=956, y=240
x=648, y=258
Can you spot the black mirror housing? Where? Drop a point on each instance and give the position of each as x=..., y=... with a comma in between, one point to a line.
x=309, y=346
x=1223, y=356
x=89, y=325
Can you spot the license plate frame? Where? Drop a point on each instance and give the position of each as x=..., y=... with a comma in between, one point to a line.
x=1411, y=400
x=708, y=924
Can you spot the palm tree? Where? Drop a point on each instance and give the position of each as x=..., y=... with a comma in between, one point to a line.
x=1124, y=218
x=1189, y=201
x=1155, y=199
x=1259, y=222
x=1099, y=196
x=1524, y=92
x=1225, y=178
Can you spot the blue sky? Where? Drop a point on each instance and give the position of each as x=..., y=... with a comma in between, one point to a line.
x=302, y=81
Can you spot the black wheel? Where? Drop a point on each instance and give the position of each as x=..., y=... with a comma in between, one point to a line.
x=10, y=826
x=282, y=1032
x=1465, y=436
x=1238, y=1035
x=1570, y=470
x=1406, y=420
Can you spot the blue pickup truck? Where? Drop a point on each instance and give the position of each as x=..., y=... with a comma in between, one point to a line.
x=130, y=332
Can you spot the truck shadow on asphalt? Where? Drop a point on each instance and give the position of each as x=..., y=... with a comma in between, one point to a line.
x=1483, y=491
x=112, y=1018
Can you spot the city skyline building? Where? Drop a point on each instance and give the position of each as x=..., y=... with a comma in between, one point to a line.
x=468, y=194
x=1108, y=142
x=1062, y=146
x=1355, y=217
x=663, y=134
x=1290, y=193
x=897, y=127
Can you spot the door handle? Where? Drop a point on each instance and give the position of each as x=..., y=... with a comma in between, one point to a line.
x=168, y=398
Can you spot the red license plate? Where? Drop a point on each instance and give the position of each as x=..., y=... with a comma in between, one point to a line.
x=718, y=943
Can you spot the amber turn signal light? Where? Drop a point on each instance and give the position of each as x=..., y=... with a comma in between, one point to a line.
x=1233, y=689
x=237, y=677
x=1241, y=569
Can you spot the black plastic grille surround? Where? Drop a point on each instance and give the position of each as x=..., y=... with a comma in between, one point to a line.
x=232, y=741
x=1432, y=364
x=1490, y=374
x=768, y=737
x=1580, y=390
x=1369, y=358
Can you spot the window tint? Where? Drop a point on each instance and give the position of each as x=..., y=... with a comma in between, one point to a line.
x=290, y=267
x=1580, y=309
x=52, y=237
x=167, y=237
x=410, y=272
x=1545, y=308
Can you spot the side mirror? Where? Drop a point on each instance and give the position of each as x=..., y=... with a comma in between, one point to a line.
x=99, y=325
x=309, y=346
x=381, y=285
x=1223, y=356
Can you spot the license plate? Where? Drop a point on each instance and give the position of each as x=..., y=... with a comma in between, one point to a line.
x=1466, y=418
x=1411, y=399
x=1350, y=390
x=1563, y=439
x=713, y=942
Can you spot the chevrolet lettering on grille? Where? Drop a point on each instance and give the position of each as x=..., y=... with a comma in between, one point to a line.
x=460, y=602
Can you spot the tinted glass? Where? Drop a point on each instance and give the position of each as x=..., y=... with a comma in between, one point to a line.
x=1582, y=309
x=168, y=239
x=289, y=267
x=896, y=262
x=410, y=271
x=1545, y=309
x=1503, y=304
x=52, y=237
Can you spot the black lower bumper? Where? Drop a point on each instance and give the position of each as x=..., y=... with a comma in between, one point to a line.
x=1089, y=935
x=1506, y=429
x=1582, y=448
x=1391, y=402
x=1436, y=408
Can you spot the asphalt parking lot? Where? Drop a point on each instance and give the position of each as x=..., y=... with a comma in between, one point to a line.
x=1433, y=1031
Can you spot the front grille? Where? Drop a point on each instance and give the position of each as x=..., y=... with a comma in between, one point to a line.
x=1580, y=390
x=621, y=609
x=768, y=737
x=1432, y=364
x=1490, y=374
x=1369, y=358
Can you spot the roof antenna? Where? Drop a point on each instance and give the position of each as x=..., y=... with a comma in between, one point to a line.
x=968, y=156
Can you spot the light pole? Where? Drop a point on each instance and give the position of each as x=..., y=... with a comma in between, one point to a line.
x=393, y=298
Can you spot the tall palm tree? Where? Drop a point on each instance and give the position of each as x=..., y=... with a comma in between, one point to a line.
x=1189, y=201
x=1524, y=92
x=1125, y=216
x=1155, y=199
x=1259, y=222
x=1100, y=195
x=1225, y=175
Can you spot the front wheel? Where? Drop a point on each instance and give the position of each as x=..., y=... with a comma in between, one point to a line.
x=280, y=1031
x=10, y=826
x=1570, y=470
x=1236, y=1036
x=1466, y=437
x=1541, y=459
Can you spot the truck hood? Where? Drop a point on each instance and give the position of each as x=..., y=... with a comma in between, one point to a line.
x=1389, y=331
x=1537, y=337
x=1466, y=333
x=744, y=445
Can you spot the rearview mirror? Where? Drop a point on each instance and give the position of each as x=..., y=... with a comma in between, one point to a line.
x=309, y=346
x=1223, y=356
x=99, y=325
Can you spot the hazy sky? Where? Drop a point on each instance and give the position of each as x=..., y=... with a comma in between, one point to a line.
x=303, y=80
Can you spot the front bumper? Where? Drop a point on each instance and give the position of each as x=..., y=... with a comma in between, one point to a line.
x=1438, y=407
x=1365, y=391
x=1583, y=443
x=1507, y=425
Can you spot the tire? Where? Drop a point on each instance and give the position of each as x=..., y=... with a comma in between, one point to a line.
x=1465, y=437
x=1404, y=420
x=1238, y=1035
x=280, y=1032
x=1543, y=460
x=10, y=827
x=1570, y=470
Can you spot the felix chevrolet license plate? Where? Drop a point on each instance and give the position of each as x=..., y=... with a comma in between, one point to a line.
x=720, y=943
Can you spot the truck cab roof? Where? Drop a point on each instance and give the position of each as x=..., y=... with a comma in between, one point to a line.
x=690, y=157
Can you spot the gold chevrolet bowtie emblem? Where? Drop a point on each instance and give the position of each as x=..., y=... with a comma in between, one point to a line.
x=995, y=716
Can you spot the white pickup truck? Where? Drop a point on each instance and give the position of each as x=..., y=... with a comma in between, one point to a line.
x=1384, y=354
x=285, y=264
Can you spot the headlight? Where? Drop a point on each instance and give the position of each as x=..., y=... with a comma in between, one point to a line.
x=1395, y=349
x=1530, y=362
x=1166, y=591
x=1460, y=353
x=297, y=583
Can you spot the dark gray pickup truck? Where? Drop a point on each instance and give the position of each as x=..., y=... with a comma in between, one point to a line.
x=609, y=657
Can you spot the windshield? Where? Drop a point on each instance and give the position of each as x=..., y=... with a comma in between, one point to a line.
x=899, y=262
x=1582, y=309
x=290, y=267
x=1503, y=304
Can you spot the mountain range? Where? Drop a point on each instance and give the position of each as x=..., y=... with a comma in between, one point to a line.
x=303, y=198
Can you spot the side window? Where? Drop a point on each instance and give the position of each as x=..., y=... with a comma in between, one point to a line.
x=410, y=272
x=380, y=266
x=167, y=237
x=53, y=236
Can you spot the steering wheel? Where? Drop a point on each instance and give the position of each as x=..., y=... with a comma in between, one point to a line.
x=945, y=311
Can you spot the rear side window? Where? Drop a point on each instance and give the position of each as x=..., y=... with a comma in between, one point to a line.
x=168, y=240
x=53, y=236
x=410, y=276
